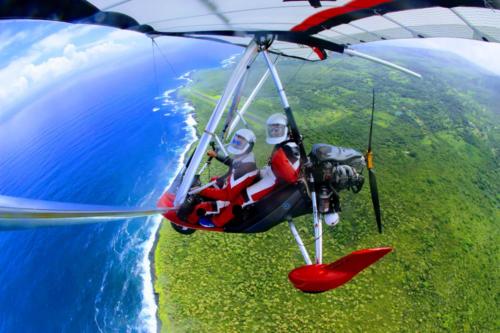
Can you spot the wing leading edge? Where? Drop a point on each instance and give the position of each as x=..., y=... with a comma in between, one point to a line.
x=19, y=213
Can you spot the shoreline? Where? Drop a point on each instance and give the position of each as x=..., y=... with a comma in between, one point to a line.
x=152, y=270
x=193, y=124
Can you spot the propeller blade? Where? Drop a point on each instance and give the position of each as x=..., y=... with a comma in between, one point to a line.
x=18, y=213
x=375, y=199
x=371, y=172
x=371, y=122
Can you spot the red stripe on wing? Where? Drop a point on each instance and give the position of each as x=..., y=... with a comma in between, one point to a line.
x=320, y=17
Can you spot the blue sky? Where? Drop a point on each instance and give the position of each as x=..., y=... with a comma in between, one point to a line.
x=34, y=54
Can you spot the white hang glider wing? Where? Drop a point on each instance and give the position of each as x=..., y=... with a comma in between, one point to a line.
x=303, y=29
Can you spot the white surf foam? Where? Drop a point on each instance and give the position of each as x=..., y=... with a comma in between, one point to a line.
x=190, y=122
x=147, y=315
x=229, y=61
x=149, y=307
x=186, y=76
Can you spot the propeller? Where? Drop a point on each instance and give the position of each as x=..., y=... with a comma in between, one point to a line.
x=21, y=213
x=371, y=172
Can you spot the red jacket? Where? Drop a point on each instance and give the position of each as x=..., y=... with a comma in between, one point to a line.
x=284, y=168
x=242, y=173
x=285, y=162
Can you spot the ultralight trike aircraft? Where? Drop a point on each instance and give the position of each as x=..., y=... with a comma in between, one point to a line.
x=306, y=30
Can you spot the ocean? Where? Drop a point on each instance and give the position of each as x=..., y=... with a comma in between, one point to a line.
x=111, y=135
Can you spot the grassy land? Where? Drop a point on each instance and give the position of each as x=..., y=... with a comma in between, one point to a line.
x=436, y=153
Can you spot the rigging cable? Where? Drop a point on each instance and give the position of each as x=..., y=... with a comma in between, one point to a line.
x=298, y=69
x=164, y=57
x=155, y=70
x=163, y=139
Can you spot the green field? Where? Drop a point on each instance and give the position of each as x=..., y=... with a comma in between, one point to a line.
x=436, y=145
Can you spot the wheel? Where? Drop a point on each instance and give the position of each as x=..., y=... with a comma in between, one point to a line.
x=182, y=230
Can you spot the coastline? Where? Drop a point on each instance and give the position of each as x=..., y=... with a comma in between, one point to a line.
x=191, y=122
x=152, y=270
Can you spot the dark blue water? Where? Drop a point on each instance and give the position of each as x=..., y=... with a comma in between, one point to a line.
x=110, y=135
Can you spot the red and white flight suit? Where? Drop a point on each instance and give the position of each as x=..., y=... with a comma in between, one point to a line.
x=226, y=193
x=283, y=168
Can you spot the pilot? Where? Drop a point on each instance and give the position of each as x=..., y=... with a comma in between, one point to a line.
x=226, y=192
x=284, y=164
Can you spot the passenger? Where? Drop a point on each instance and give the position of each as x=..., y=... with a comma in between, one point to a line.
x=284, y=164
x=226, y=192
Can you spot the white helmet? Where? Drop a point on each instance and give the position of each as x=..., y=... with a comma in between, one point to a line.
x=277, y=129
x=242, y=142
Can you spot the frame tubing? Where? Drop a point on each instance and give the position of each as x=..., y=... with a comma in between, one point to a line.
x=302, y=248
x=276, y=78
x=239, y=71
x=288, y=111
x=199, y=189
x=318, y=230
x=221, y=145
x=234, y=104
x=240, y=113
x=203, y=168
x=381, y=61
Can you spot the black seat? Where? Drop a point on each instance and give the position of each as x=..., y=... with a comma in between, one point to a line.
x=288, y=200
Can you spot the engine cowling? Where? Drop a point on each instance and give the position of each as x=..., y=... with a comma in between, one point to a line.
x=335, y=169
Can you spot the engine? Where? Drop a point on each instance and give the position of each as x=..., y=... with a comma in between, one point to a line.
x=335, y=169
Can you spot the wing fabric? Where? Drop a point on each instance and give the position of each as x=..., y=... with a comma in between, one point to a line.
x=341, y=23
x=302, y=29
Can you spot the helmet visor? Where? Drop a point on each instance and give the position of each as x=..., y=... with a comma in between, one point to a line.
x=238, y=144
x=276, y=131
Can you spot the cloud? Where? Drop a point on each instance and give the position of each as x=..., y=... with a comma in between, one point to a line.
x=7, y=38
x=58, y=54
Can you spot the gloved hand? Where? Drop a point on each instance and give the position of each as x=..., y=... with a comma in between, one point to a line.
x=187, y=206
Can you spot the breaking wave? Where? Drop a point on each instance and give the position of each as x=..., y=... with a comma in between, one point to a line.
x=170, y=104
x=226, y=63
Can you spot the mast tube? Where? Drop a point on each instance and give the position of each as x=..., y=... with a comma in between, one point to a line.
x=288, y=111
